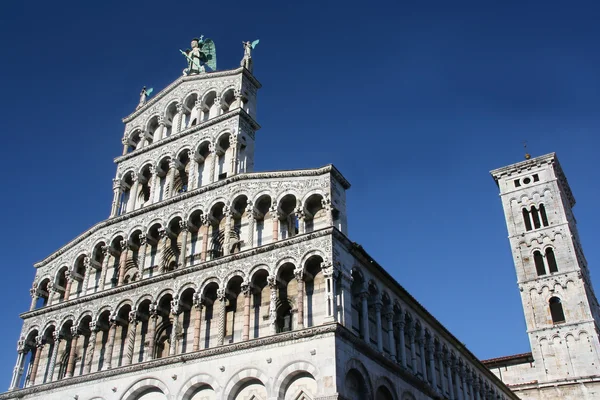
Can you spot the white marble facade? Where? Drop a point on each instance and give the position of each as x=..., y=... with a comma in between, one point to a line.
x=212, y=281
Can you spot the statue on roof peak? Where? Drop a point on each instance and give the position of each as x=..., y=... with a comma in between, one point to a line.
x=200, y=56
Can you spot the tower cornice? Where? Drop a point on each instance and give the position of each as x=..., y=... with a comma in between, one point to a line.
x=191, y=78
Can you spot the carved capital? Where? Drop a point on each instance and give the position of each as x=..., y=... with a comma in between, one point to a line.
x=93, y=326
x=116, y=184
x=198, y=302
x=56, y=336
x=175, y=309
x=246, y=289
x=39, y=341
x=299, y=274
x=221, y=294
x=74, y=331
x=272, y=282
x=132, y=317
x=153, y=310
x=21, y=346
x=142, y=237
x=124, y=245
x=183, y=225
x=33, y=292
x=180, y=108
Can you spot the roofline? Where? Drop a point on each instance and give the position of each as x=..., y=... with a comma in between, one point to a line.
x=512, y=359
x=235, y=178
x=184, y=78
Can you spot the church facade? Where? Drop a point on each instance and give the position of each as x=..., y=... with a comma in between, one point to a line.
x=211, y=281
x=561, y=310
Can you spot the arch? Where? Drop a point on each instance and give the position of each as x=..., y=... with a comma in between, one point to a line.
x=233, y=274
x=143, y=385
x=283, y=261
x=144, y=297
x=123, y=303
x=556, y=310
x=309, y=254
x=355, y=371
x=208, y=281
x=385, y=389
x=286, y=374
x=243, y=376
x=195, y=383
x=84, y=314
x=186, y=286
x=257, y=268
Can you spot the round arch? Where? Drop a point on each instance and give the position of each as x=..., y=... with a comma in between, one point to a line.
x=196, y=382
x=289, y=372
x=143, y=385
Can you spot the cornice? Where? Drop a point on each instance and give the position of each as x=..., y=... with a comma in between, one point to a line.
x=213, y=121
x=519, y=167
x=191, y=78
x=180, y=272
x=213, y=186
x=181, y=358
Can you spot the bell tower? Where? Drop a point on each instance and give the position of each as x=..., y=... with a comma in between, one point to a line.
x=560, y=307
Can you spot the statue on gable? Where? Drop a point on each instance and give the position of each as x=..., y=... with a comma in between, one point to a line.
x=200, y=57
x=247, y=60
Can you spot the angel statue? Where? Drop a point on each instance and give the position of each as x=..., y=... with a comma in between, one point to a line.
x=201, y=55
x=247, y=60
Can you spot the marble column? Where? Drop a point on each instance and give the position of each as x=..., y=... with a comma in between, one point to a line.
x=160, y=131
x=88, y=270
x=275, y=217
x=463, y=378
x=105, y=260
x=123, y=261
x=301, y=217
x=476, y=387
x=330, y=275
x=110, y=344
x=412, y=335
x=184, y=239
x=204, y=229
x=197, y=320
x=117, y=190
x=227, y=236
x=39, y=347
x=125, y=143
x=192, y=177
x=173, y=164
x=378, y=307
x=175, y=311
x=132, y=193
x=364, y=296
x=221, y=299
x=69, y=279
x=131, y=332
x=142, y=255
x=401, y=339
x=154, y=185
x=439, y=353
x=246, y=327
x=421, y=342
x=448, y=363
x=213, y=163
x=152, y=320
x=250, y=215
x=89, y=354
x=326, y=203
x=346, y=298
x=34, y=297
x=72, y=352
x=430, y=342
x=389, y=316
x=18, y=369
x=52, y=363
x=299, y=274
x=273, y=304
x=178, y=120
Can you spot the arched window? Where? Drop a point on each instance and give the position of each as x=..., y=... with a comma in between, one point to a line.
x=535, y=217
x=526, y=219
x=551, y=260
x=556, y=310
x=543, y=215
x=539, y=263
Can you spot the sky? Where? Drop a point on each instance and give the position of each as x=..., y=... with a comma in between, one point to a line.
x=414, y=102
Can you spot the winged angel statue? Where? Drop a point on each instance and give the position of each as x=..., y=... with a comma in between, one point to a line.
x=201, y=56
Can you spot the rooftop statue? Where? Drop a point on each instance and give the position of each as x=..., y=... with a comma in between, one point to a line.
x=144, y=94
x=247, y=60
x=201, y=55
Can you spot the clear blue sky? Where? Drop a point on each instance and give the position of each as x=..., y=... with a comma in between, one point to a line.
x=413, y=101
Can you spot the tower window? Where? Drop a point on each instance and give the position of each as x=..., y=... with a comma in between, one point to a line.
x=527, y=181
x=543, y=215
x=556, y=310
x=526, y=220
x=517, y=183
x=538, y=259
x=535, y=217
x=536, y=178
x=551, y=259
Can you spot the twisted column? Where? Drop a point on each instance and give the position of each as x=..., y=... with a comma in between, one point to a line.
x=171, y=177
x=89, y=353
x=175, y=310
x=197, y=320
x=246, y=328
x=131, y=332
x=299, y=274
x=72, y=352
x=88, y=269
x=221, y=328
x=39, y=347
